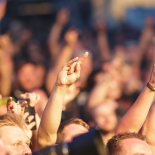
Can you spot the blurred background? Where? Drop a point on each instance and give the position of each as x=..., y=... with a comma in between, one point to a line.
x=38, y=36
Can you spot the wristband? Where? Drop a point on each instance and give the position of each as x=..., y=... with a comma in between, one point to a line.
x=151, y=87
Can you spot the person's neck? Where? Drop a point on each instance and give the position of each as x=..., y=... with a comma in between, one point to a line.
x=106, y=136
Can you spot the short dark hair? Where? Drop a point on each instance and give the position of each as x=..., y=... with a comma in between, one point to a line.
x=77, y=121
x=114, y=143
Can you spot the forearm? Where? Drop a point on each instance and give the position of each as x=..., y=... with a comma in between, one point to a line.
x=5, y=83
x=146, y=38
x=103, y=46
x=51, y=117
x=149, y=127
x=54, y=40
x=63, y=57
x=143, y=43
x=135, y=117
x=2, y=8
x=98, y=94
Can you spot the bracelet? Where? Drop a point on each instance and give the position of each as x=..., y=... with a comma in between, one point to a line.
x=151, y=87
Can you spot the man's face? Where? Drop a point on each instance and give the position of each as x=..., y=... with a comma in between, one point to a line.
x=27, y=76
x=73, y=130
x=105, y=117
x=15, y=141
x=2, y=150
x=134, y=146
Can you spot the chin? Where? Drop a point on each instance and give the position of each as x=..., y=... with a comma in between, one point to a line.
x=106, y=130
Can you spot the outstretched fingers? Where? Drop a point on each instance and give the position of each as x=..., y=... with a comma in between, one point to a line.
x=26, y=115
x=78, y=65
x=9, y=104
x=30, y=118
x=72, y=68
x=31, y=125
x=74, y=62
x=77, y=69
x=13, y=107
x=23, y=107
x=83, y=58
x=68, y=64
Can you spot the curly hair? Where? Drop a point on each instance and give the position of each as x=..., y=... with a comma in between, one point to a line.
x=114, y=143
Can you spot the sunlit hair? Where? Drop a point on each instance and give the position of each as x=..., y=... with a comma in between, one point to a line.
x=60, y=136
x=10, y=119
x=114, y=145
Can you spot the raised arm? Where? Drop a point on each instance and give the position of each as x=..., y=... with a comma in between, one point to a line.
x=149, y=128
x=6, y=65
x=100, y=90
x=102, y=41
x=2, y=8
x=147, y=35
x=51, y=117
x=53, y=41
x=135, y=117
x=65, y=55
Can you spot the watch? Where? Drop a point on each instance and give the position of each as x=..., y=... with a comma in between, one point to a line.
x=151, y=87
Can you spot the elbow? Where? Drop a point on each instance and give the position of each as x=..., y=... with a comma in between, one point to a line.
x=126, y=128
x=41, y=143
x=45, y=140
x=149, y=134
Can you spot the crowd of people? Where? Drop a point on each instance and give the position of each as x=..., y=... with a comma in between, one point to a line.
x=77, y=83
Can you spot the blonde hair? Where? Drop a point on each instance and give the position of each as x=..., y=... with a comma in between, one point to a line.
x=10, y=119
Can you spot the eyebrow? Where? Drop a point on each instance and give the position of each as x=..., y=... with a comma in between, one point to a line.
x=20, y=141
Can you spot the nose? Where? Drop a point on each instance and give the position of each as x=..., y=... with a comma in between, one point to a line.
x=27, y=151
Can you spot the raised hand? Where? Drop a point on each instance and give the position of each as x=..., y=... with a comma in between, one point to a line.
x=63, y=16
x=30, y=124
x=32, y=97
x=152, y=77
x=149, y=22
x=16, y=108
x=100, y=26
x=70, y=71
